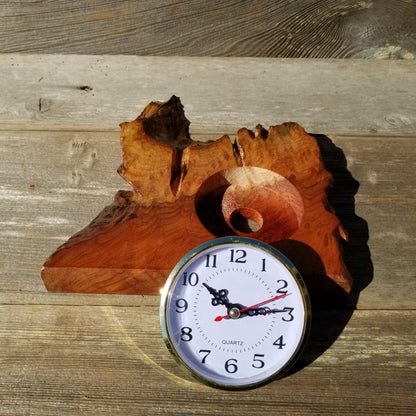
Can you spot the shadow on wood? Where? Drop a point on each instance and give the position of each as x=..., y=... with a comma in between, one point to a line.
x=332, y=308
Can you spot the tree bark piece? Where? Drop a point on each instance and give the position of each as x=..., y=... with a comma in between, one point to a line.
x=270, y=185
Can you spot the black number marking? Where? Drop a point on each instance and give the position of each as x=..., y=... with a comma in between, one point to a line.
x=257, y=363
x=206, y=352
x=192, y=279
x=263, y=265
x=231, y=366
x=211, y=260
x=238, y=256
x=186, y=334
x=290, y=313
x=279, y=342
x=181, y=305
x=283, y=286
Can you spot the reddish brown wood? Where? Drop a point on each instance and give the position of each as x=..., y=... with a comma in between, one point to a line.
x=267, y=185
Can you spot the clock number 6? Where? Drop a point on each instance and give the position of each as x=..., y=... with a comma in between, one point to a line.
x=231, y=366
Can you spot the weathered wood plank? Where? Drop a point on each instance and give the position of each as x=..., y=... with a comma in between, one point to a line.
x=112, y=360
x=307, y=28
x=52, y=186
x=44, y=92
x=73, y=354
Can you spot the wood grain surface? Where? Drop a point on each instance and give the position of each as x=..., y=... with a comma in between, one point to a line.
x=73, y=354
x=381, y=29
x=82, y=359
x=220, y=95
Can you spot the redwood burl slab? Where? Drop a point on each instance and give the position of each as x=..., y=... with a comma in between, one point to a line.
x=269, y=185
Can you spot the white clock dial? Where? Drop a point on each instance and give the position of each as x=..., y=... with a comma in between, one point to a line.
x=235, y=312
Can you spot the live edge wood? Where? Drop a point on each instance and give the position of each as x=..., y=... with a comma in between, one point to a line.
x=269, y=185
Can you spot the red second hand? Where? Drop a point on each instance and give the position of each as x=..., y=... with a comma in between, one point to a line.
x=220, y=318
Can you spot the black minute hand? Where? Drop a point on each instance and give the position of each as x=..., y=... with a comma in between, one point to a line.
x=220, y=318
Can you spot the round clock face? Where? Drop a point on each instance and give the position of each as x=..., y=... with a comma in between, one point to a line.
x=235, y=313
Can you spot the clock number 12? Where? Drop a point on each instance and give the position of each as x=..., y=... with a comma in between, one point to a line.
x=238, y=256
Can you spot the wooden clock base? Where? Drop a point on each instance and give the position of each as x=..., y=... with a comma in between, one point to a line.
x=269, y=185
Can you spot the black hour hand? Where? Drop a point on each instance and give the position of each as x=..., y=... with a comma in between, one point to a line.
x=219, y=297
